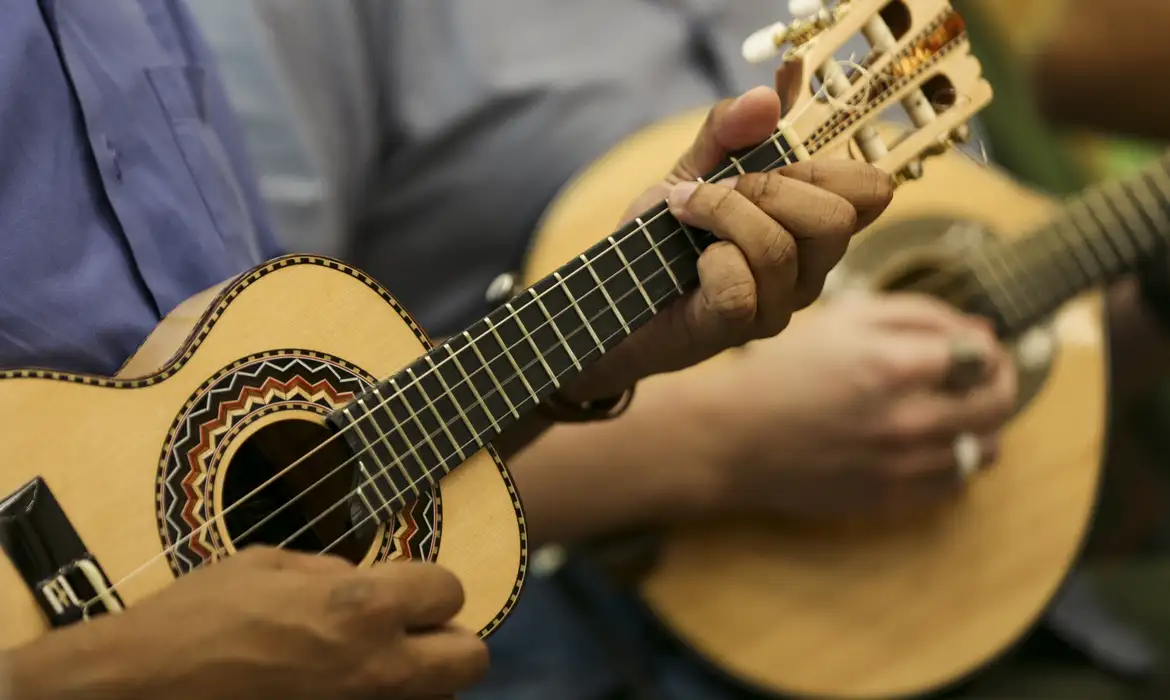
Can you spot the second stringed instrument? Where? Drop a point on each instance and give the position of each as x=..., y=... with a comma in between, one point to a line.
x=868, y=611
x=298, y=405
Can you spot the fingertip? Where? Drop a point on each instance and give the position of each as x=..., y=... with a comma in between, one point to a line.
x=750, y=119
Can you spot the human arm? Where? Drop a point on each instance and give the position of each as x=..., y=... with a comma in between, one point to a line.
x=842, y=414
x=266, y=624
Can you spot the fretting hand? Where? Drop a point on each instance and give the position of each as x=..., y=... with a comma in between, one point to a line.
x=780, y=234
x=849, y=413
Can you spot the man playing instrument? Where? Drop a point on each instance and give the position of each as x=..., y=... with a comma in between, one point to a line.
x=126, y=191
x=846, y=412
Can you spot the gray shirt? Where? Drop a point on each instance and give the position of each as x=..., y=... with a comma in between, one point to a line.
x=423, y=139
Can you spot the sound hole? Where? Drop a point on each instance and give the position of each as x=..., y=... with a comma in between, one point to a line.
x=272, y=496
x=925, y=274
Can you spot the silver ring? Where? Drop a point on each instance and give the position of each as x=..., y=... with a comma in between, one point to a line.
x=968, y=456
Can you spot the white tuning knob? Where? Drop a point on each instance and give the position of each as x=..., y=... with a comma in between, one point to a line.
x=764, y=44
x=805, y=9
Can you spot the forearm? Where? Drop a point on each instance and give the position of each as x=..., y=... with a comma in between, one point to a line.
x=1101, y=65
x=651, y=465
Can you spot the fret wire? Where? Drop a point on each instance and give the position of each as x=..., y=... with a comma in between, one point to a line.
x=505, y=348
x=999, y=285
x=738, y=166
x=560, y=337
x=491, y=373
x=1155, y=186
x=370, y=480
x=1062, y=254
x=1106, y=256
x=1149, y=206
x=1147, y=213
x=1111, y=218
x=447, y=390
x=385, y=404
x=784, y=154
x=691, y=237
x=361, y=492
x=361, y=433
x=654, y=247
x=634, y=277
x=531, y=343
x=474, y=391
x=1074, y=245
x=573, y=302
x=435, y=412
x=605, y=293
x=429, y=438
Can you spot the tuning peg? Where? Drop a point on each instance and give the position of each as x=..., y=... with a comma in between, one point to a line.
x=765, y=44
x=805, y=9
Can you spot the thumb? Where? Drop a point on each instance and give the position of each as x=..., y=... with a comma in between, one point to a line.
x=731, y=125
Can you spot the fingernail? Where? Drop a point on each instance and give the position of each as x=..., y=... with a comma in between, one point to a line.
x=728, y=181
x=680, y=194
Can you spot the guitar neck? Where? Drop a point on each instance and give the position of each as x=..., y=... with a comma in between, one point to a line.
x=1105, y=232
x=424, y=421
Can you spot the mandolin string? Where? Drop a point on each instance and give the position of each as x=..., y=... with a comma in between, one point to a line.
x=841, y=105
x=1021, y=262
x=728, y=171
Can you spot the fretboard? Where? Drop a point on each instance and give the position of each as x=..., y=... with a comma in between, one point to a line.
x=1105, y=232
x=413, y=428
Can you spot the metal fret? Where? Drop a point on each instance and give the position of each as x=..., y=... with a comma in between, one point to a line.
x=1106, y=256
x=691, y=237
x=1090, y=269
x=361, y=492
x=435, y=412
x=370, y=480
x=454, y=401
x=738, y=166
x=421, y=429
x=605, y=293
x=492, y=375
x=410, y=480
x=1140, y=198
x=367, y=447
x=629, y=269
x=577, y=307
x=532, y=344
x=474, y=391
x=549, y=318
x=504, y=348
x=1150, y=205
x=1099, y=206
x=654, y=247
x=385, y=441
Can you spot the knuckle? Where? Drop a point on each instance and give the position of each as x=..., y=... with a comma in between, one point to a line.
x=779, y=248
x=837, y=216
x=722, y=200
x=735, y=300
x=908, y=429
x=760, y=187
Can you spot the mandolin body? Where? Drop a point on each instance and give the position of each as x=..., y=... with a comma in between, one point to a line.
x=134, y=473
x=873, y=610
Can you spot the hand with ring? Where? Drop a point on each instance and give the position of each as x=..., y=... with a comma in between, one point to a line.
x=865, y=406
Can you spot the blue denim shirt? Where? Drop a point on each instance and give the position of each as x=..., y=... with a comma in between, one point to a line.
x=123, y=183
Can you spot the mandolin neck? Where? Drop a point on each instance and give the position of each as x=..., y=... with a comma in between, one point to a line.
x=432, y=415
x=1105, y=232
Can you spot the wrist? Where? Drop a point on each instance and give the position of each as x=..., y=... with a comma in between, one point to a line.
x=712, y=437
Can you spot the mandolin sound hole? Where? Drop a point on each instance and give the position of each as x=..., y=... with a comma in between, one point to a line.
x=308, y=506
x=926, y=274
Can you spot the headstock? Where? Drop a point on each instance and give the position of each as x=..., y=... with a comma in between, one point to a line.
x=919, y=58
